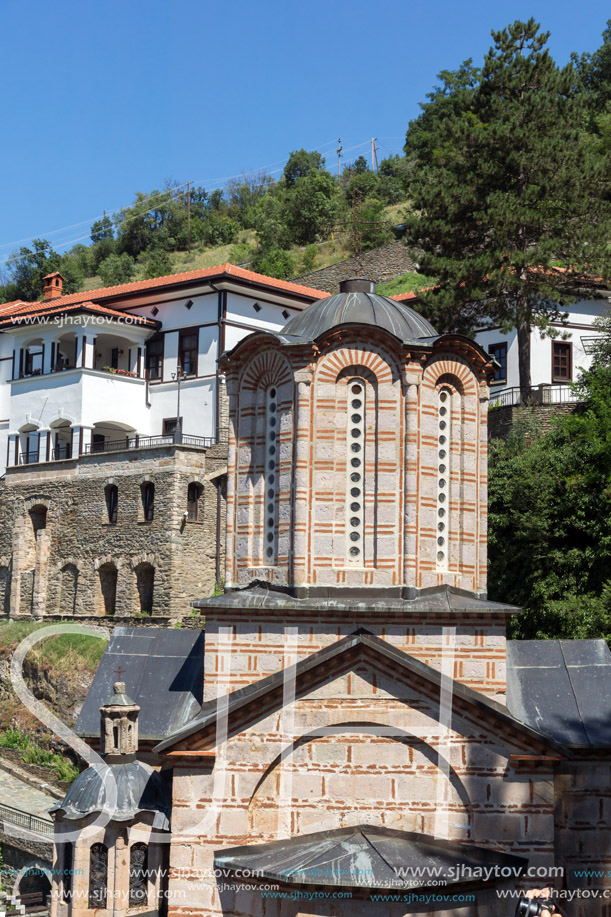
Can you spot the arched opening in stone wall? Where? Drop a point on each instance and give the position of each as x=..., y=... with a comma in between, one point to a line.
x=108, y=587
x=33, y=880
x=111, y=496
x=5, y=590
x=38, y=515
x=145, y=582
x=147, y=492
x=68, y=585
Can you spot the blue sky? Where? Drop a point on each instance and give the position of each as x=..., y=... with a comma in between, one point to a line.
x=103, y=98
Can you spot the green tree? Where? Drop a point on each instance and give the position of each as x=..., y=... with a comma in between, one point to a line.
x=300, y=164
x=157, y=263
x=550, y=516
x=312, y=204
x=117, y=269
x=102, y=229
x=505, y=188
x=275, y=262
x=594, y=72
x=28, y=266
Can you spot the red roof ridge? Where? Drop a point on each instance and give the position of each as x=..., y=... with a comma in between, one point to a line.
x=23, y=310
x=169, y=279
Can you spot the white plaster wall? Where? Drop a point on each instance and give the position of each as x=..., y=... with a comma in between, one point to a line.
x=579, y=324
x=197, y=406
x=174, y=313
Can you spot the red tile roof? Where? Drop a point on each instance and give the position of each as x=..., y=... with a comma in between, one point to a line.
x=18, y=312
x=222, y=270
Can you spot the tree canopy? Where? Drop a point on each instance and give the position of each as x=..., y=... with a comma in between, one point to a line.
x=509, y=193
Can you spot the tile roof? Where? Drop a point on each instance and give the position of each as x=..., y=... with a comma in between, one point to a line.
x=16, y=312
x=220, y=270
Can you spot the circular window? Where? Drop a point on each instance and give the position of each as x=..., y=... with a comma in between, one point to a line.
x=354, y=536
x=440, y=556
x=441, y=542
x=357, y=404
x=354, y=521
x=356, y=389
x=442, y=469
x=356, y=418
x=355, y=462
x=442, y=453
x=270, y=552
x=270, y=536
x=442, y=498
x=355, y=477
x=443, y=396
x=355, y=507
x=271, y=464
x=355, y=491
x=272, y=408
x=355, y=447
x=272, y=450
x=355, y=432
x=442, y=482
x=442, y=426
x=270, y=508
x=354, y=551
x=441, y=512
x=442, y=440
x=272, y=421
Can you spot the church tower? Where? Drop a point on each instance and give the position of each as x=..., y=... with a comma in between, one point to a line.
x=356, y=493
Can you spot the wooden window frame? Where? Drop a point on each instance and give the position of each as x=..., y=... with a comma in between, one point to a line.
x=166, y=421
x=563, y=379
x=502, y=378
x=193, y=504
x=154, y=340
x=183, y=333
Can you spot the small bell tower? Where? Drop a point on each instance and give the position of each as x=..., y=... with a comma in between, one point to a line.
x=119, y=726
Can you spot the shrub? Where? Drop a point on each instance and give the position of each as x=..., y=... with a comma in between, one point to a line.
x=14, y=738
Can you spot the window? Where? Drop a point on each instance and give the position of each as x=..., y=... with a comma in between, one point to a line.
x=154, y=357
x=562, y=362
x=147, y=491
x=169, y=425
x=271, y=474
x=108, y=588
x=112, y=502
x=38, y=515
x=499, y=352
x=67, y=871
x=114, y=357
x=444, y=406
x=138, y=870
x=355, y=506
x=98, y=875
x=145, y=583
x=194, y=492
x=187, y=352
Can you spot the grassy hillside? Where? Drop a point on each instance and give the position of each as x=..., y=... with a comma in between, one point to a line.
x=58, y=671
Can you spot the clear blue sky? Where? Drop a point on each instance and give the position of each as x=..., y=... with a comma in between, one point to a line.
x=103, y=98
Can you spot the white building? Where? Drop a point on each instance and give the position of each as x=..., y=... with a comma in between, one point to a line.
x=556, y=358
x=99, y=370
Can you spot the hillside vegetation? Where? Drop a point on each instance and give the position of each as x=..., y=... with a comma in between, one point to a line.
x=58, y=671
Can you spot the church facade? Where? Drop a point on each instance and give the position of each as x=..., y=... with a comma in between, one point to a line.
x=355, y=752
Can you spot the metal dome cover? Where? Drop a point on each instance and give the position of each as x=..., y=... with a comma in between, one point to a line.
x=358, y=303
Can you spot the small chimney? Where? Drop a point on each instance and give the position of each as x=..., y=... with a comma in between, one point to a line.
x=53, y=285
x=357, y=285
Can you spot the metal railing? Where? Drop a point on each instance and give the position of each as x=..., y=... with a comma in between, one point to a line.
x=26, y=820
x=146, y=442
x=61, y=452
x=539, y=394
x=28, y=458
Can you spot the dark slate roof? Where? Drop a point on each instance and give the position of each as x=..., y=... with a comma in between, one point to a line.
x=160, y=664
x=436, y=600
x=365, y=857
x=121, y=791
x=361, y=642
x=562, y=688
x=358, y=308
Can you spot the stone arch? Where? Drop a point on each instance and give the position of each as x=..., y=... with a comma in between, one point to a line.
x=425, y=782
x=453, y=367
x=35, y=877
x=267, y=368
x=379, y=362
x=108, y=572
x=145, y=586
x=68, y=588
x=5, y=585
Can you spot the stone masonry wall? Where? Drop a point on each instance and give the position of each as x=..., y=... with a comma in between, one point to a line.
x=284, y=776
x=502, y=419
x=380, y=265
x=66, y=567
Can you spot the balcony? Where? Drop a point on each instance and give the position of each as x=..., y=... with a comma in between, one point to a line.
x=539, y=394
x=147, y=442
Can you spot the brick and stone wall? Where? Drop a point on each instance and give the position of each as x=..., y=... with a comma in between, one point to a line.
x=68, y=566
x=380, y=265
x=502, y=419
x=283, y=776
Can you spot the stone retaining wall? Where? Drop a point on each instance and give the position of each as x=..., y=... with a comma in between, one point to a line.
x=380, y=265
x=501, y=420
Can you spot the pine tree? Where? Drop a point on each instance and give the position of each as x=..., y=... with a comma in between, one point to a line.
x=509, y=196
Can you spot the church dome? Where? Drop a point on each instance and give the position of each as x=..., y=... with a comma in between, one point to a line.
x=358, y=303
x=138, y=789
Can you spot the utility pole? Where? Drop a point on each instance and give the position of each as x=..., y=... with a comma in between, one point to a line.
x=189, y=214
x=374, y=155
x=339, y=157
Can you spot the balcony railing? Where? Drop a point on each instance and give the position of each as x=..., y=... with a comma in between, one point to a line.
x=26, y=820
x=539, y=394
x=146, y=442
x=61, y=452
x=28, y=458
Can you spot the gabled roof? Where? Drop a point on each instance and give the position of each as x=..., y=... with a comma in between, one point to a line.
x=258, y=699
x=20, y=313
x=221, y=271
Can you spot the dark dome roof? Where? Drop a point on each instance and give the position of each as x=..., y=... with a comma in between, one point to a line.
x=357, y=303
x=138, y=789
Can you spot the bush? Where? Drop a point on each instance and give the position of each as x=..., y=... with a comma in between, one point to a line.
x=14, y=738
x=117, y=269
x=275, y=262
x=241, y=253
